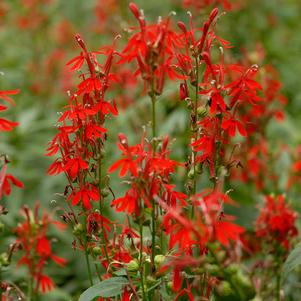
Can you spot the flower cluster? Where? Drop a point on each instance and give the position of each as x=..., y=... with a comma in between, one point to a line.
x=33, y=242
x=276, y=221
x=6, y=179
x=165, y=239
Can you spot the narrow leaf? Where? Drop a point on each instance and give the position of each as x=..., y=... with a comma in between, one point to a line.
x=107, y=288
x=293, y=260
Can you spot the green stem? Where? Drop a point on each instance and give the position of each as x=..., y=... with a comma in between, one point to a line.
x=194, y=126
x=141, y=261
x=278, y=286
x=154, y=131
x=88, y=260
x=154, y=134
x=30, y=296
x=1, y=291
x=278, y=279
x=100, y=203
x=194, y=134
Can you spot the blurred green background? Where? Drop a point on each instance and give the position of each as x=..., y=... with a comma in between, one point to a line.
x=37, y=39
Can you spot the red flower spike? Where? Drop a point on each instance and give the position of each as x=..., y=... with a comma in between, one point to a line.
x=183, y=91
x=177, y=280
x=135, y=10
x=276, y=221
x=213, y=14
x=36, y=247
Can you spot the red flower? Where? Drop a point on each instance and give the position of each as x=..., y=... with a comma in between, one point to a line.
x=6, y=180
x=36, y=247
x=230, y=126
x=45, y=283
x=74, y=165
x=84, y=194
x=276, y=221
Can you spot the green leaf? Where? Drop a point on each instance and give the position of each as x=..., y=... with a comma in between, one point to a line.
x=107, y=288
x=121, y=272
x=292, y=261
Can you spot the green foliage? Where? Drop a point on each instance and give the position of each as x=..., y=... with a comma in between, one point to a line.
x=108, y=288
x=293, y=261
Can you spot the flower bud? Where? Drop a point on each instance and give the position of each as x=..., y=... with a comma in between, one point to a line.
x=78, y=229
x=191, y=174
x=105, y=192
x=182, y=26
x=231, y=269
x=150, y=280
x=226, y=289
x=202, y=112
x=169, y=285
x=213, y=14
x=133, y=266
x=159, y=259
x=134, y=9
x=97, y=251
x=4, y=262
x=183, y=91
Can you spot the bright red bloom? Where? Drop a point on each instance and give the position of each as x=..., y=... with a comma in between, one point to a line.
x=36, y=247
x=276, y=221
x=6, y=180
x=84, y=194
x=230, y=126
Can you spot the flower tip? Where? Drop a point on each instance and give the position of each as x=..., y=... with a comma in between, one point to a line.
x=182, y=26
x=213, y=14
x=134, y=9
x=78, y=38
x=122, y=138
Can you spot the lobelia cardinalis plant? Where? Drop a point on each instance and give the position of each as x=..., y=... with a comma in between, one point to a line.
x=32, y=235
x=6, y=181
x=162, y=243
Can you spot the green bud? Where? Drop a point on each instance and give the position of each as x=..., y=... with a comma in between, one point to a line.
x=159, y=259
x=78, y=229
x=202, y=112
x=133, y=265
x=232, y=269
x=191, y=174
x=102, y=153
x=4, y=260
x=199, y=168
x=97, y=251
x=105, y=192
x=221, y=255
x=242, y=280
x=150, y=280
x=212, y=269
x=226, y=289
x=144, y=256
x=169, y=285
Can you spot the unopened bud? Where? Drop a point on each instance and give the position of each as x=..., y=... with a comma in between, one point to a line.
x=202, y=112
x=4, y=260
x=105, y=192
x=134, y=9
x=97, y=251
x=133, y=266
x=213, y=14
x=191, y=174
x=159, y=259
x=78, y=229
